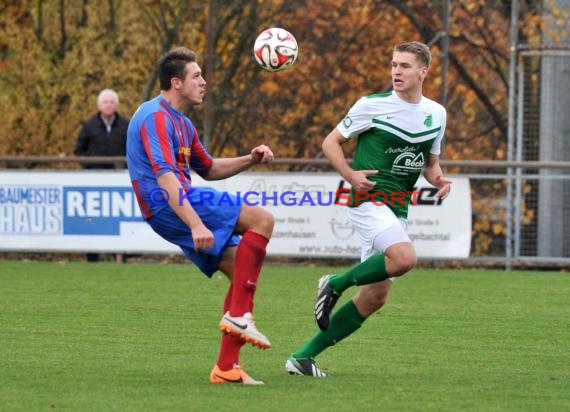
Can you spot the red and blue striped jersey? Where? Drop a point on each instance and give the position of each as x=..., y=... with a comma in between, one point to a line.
x=160, y=140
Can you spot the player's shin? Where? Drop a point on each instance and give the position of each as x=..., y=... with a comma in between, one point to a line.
x=230, y=344
x=250, y=256
x=344, y=322
x=371, y=270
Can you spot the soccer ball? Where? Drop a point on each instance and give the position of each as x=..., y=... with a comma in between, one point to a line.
x=275, y=49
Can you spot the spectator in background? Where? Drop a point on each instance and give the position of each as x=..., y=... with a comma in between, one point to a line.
x=104, y=134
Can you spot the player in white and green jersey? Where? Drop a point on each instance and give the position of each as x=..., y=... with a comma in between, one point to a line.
x=399, y=136
x=394, y=137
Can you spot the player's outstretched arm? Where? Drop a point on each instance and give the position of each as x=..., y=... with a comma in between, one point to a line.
x=224, y=168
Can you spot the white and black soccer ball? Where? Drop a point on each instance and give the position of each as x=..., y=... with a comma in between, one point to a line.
x=275, y=49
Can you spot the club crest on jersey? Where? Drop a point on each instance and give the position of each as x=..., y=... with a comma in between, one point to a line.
x=428, y=119
x=347, y=122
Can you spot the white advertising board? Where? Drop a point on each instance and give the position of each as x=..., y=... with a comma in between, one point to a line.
x=96, y=211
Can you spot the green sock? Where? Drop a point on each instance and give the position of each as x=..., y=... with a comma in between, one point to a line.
x=371, y=270
x=344, y=322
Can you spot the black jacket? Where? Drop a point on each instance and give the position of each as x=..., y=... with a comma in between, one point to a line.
x=94, y=140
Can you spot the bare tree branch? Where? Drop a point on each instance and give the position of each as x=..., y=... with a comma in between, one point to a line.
x=427, y=33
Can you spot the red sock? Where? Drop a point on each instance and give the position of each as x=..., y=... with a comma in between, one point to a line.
x=250, y=256
x=231, y=345
x=229, y=351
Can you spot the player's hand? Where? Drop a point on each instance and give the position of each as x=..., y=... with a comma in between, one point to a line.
x=359, y=180
x=444, y=186
x=261, y=154
x=203, y=238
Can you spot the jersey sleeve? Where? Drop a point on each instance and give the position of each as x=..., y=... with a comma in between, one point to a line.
x=156, y=133
x=436, y=147
x=357, y=120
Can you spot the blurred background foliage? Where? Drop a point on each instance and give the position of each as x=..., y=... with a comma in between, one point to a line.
x=55, y=56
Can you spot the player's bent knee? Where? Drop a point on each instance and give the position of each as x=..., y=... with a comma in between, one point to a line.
x=409, y=262
x=266, y=219
x=400, y=258
x=403, y=266
x=402, y=262
x=263, y=222
x=257, y=219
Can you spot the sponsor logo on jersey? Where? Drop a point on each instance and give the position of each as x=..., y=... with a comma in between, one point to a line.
x=392, y=150
x=347, y=122
x=408, y=163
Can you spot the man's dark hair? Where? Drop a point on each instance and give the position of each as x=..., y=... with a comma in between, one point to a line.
x=418, y=48
x=173, y=64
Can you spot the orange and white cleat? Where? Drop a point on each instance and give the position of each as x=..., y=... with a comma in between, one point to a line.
x=234, y=375
x=244, y=327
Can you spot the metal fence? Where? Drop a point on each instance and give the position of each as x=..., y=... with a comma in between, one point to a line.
x=510, y=226
x=539, y=131
x=494, y=240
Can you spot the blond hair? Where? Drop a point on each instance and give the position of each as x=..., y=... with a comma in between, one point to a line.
x=420, y=49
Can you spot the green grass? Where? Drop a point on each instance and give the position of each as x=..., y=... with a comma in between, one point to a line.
x=143, y=337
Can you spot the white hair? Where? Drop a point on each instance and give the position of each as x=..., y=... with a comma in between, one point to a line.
x=108, y=91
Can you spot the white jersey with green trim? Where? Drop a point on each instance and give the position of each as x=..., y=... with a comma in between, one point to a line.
x=394, y=137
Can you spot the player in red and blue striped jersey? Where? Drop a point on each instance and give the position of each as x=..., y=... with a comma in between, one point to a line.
x=219, y=234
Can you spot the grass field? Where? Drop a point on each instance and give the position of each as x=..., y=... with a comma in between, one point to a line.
x=143, y=337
